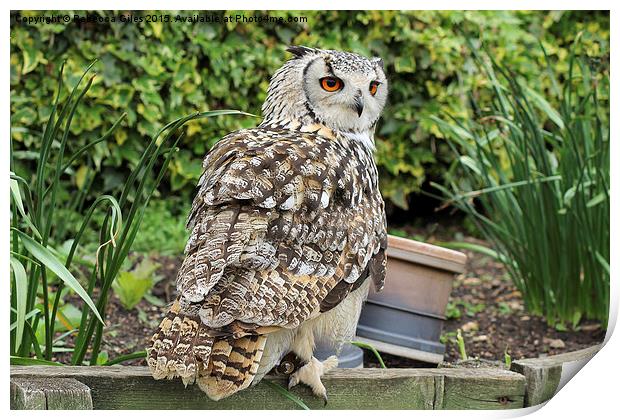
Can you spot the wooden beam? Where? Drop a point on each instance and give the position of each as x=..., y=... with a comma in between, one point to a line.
x=43, y=393
x=544, y=373
x=127, y=387
x=482, y=388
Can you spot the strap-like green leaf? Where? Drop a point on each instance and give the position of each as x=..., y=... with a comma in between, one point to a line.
x=27, y=317
x=545, y=107
x=17, y=198
x=372, y=349
x=287, y=394
x=21, y=292
x=125, y=357
x=51, y=262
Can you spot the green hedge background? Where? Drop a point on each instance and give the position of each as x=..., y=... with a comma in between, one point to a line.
x=159, y=71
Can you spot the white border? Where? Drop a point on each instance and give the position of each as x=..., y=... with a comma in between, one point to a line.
x=592, y=394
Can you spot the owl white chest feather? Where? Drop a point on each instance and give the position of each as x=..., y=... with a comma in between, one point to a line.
x=365, y=138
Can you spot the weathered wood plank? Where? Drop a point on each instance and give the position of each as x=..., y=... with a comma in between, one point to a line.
x=481, y=388
x=49, y=393
x=134, y=388
x=387, y=393
x=543, y=374
x=26, y=397
x=542, y=382
x=530, y=382
x=119, y=387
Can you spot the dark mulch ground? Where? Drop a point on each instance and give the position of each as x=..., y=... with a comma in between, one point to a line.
x=484, y=305
x=497, y=320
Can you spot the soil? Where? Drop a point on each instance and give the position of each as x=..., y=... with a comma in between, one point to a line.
x=503, y=324
x=484, y=305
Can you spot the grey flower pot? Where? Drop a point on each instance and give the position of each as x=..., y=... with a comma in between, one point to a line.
x=406, y=318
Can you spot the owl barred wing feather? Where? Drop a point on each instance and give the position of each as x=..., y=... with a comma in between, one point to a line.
x=283, y=181
x=284, y=226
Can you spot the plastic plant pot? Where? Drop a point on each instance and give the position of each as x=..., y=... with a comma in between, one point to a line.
x=407, y=316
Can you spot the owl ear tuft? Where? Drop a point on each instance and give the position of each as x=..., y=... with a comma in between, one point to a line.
x=379, y=62
x=299, y=50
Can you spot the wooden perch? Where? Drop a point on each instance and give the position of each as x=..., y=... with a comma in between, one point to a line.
x=129, y=387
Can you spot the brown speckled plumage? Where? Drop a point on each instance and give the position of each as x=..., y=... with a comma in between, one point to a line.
x=287, y=222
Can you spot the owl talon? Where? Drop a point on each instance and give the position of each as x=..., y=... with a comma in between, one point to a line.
x=310, y=374
x=292, y=381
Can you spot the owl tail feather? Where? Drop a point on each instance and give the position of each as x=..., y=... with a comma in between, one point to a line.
x=232, y=366
x=182, y=347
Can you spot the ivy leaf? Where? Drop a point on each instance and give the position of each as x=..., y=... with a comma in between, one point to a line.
x=31, y=58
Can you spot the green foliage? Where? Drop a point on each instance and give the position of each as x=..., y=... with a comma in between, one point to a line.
x=125, y=357
x=461, y=345
x=507, y=359
x=453, y=308
x=452, y=311
x=42, y=259
x=160, y=71
x=27, y=361
x=163, y=228
x=102, y=358
x=36, y=262
x=287, y=394
x=504, y=309
x=540, y=178
x=398, y=232
x=131, y=286
x=481, y=249
x=447, y=337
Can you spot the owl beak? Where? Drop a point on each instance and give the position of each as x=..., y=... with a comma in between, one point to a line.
x=358, y=105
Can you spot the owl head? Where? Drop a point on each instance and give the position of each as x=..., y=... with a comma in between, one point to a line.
x=344, y=91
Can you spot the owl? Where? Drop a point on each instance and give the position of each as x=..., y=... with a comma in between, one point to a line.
x=288, y=232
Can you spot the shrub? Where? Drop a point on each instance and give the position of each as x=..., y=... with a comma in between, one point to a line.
x=160, y=71
x=537, y=182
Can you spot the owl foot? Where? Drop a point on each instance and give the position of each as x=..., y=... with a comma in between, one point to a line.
x=310, y=374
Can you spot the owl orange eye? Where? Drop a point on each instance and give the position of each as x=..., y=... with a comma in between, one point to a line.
x=373, y=87
x=331, y=84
